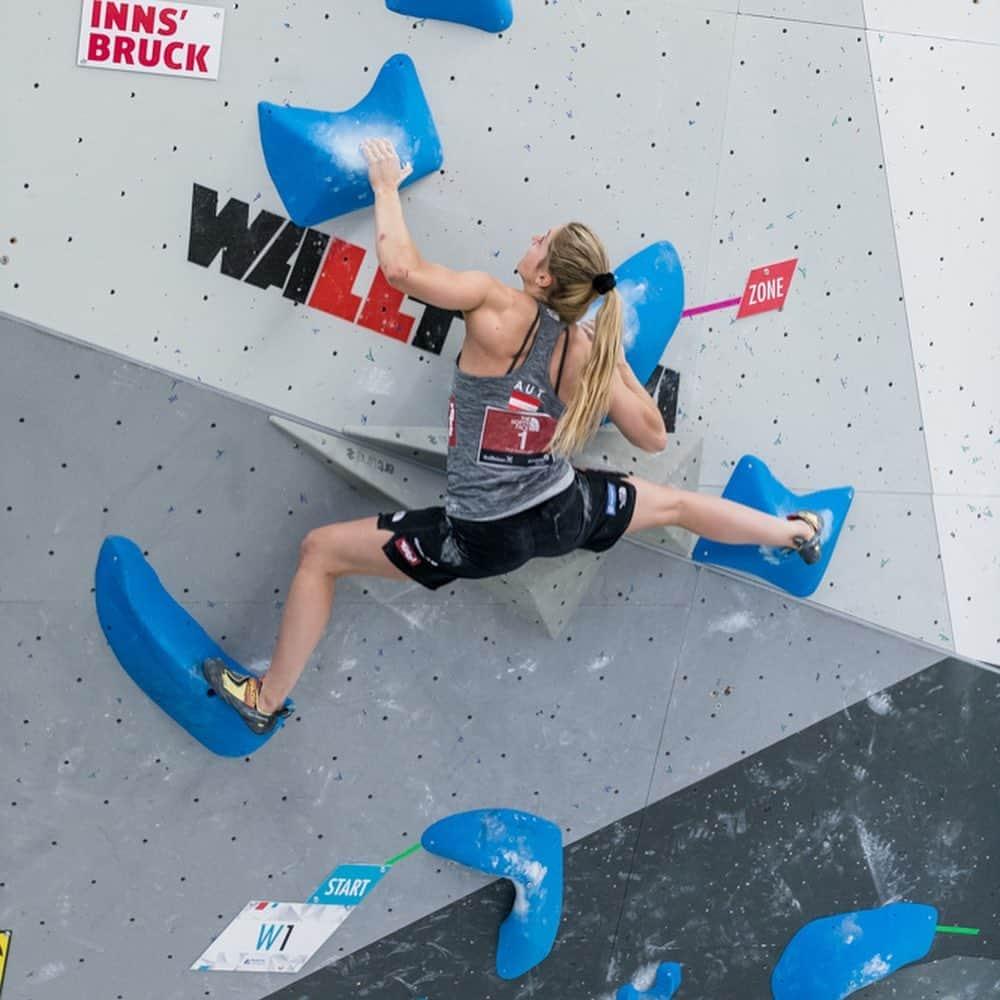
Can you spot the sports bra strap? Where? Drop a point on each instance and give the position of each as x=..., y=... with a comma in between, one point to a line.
x=562, y=361
x=527, y=337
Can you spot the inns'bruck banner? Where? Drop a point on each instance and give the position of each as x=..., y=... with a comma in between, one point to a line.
x=176, y=39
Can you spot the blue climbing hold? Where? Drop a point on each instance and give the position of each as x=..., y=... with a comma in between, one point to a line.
x=490, y=15
x=668, y=978
x=651, y=284
x=833, y=957
x=315, y=157
x=753, y=484
x=526, y=849
x=161, y=647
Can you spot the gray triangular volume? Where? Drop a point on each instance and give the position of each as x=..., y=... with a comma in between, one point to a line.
x=422, y=444
x=547, y=590
x=407, y=484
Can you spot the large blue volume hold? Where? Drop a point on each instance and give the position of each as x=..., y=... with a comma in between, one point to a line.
x=315, y=157
x=525, y=848
x=753, y=484
x=161, y=647
x=833, y=957
x=490, y=15
x=651, y=284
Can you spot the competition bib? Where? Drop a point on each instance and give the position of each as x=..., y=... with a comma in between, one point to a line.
x=516, y=439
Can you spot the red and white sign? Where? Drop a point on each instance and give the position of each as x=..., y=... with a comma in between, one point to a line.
x=767, y=288
x=177, y=39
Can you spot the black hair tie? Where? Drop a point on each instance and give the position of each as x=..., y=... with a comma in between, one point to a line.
x=603, y=283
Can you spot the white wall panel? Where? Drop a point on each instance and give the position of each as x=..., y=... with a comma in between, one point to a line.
x=824, y=390
x=942, y=142
x=973, y=20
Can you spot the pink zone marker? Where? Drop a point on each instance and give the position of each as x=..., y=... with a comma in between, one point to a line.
x=698, y=310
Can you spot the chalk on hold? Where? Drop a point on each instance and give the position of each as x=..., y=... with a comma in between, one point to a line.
x=490, y=15
x=525, y=848
x=833, y=957
x=753, y=484
x=315, y=157
x=161, y=647
x=668, y=978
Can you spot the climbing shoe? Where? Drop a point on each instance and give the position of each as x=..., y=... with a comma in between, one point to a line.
x=240, y=691
x=808, y=548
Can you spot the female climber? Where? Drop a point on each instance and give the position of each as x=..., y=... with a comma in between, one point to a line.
x=530, y=387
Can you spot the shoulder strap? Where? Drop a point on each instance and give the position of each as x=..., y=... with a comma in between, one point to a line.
x=562, y=361
x=531, y=329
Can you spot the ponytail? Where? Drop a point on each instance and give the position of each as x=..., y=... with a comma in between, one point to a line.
x=592, y=398
x=576, y=258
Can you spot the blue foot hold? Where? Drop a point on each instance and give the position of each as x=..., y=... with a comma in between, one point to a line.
x=524, y=848
x=315, y=157
x=161, y=647
x=753, y=484
x=490, y=15
x=833, y=957
x=668, y=978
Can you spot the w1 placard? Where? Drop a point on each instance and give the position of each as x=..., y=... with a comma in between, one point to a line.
x=272, y=937
x=171, y=38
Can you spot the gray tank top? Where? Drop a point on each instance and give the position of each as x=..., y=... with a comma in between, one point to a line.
x=499, y=431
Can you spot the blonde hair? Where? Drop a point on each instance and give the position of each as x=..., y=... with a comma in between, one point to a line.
x=576, y=257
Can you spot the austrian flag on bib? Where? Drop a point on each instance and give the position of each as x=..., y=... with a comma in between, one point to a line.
x=523, y=402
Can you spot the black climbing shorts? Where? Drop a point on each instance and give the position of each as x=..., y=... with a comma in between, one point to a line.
x=434, y=549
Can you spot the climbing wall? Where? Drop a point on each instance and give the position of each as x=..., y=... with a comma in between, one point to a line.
x=728, y=134
x=183, y=364
x=128, y=847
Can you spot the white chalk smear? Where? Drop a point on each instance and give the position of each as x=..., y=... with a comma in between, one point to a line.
x=529, y=871
x=645, y=978
x=872, y=971
x=738, y=621
x=49, y=971
x=880, y=703
x=342, y=141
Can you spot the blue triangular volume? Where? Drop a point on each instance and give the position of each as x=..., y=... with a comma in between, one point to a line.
x=490, y=15
x=525, y=848
x=651, y=285
x=161, y=647
x=833, y=957
x=315, y=157
x=753, y=484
